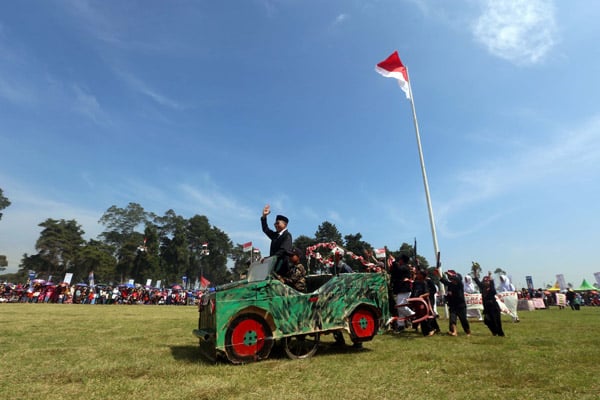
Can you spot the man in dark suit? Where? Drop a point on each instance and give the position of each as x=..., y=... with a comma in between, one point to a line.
x=281, y=240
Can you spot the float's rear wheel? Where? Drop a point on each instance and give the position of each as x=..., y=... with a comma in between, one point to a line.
x=363, y=324
x=301, y=346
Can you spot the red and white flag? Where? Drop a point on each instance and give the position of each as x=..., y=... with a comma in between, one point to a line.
x=247, y=247
x=204, y=283
x=392, y=67
x=380, y=253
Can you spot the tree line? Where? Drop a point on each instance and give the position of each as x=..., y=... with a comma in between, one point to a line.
x=140, y=245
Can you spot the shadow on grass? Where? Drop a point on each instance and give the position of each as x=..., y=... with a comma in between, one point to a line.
x=190, y=354
x=193, y=355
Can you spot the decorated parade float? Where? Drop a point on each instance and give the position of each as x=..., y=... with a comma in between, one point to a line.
x=241, y=321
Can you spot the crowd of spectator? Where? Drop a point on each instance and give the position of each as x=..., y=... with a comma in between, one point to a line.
x=81, y=293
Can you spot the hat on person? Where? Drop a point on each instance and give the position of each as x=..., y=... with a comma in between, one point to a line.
x=295, y=251
x=282, y=218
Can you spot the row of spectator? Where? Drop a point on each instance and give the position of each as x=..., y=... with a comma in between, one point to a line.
x=101, y=294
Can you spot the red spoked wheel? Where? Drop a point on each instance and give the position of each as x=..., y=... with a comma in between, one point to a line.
x=363, y=324
x=248, y=338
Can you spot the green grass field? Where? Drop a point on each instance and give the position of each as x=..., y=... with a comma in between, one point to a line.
x=50, y=351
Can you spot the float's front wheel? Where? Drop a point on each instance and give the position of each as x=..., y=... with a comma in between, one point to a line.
x=248, y=338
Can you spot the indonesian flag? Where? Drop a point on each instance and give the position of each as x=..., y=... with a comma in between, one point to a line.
x=204, y=283
x=247, y=247
x=392, y=67
x=380, y=253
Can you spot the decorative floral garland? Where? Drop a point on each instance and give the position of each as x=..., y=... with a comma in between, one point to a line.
x=335, y=248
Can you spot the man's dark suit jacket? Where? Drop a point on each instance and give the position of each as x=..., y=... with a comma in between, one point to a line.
x=281, y=245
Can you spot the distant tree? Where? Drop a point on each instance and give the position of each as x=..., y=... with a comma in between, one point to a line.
x=121, y=234
x=98, y=257
x=121, y=223
x=3, y=263
x=59, y=245
x=4, y=202
x=303, y=242
x=328, y=232
x=174, y=247
x=356, y=245
x=240, y=262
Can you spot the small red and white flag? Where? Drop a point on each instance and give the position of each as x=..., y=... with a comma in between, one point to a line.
x=380, y=253
x=392, y=67
x=247, y=247
x=204, y=283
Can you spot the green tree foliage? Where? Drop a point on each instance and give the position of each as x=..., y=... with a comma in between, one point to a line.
x=241, y=261
x=98, y=257
x=355, y=244
x=328, y=232
x=4, y=202
x=303, y=242
x=59, y=245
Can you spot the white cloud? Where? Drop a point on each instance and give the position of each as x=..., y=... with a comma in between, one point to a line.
x=520, y=31
x=340, y=19
x=86, y=104
x=141, y=87
x=564, y=156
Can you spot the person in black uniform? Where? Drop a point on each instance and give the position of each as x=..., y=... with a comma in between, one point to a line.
x=491, y=310
x=455, y=297
x=281, y=240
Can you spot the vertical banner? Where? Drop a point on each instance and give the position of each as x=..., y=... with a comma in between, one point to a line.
x=148, y=282
x=560, y=278
x=68, y=277
x=529, y=281
x=597, y=276
x=158, y=283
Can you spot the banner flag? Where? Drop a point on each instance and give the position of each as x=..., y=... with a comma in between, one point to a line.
x=392, y=67
x=529, y=281
x=68, y=277
x=204, y=283
x=380, y=253
x=560, y=278
x=247, y=247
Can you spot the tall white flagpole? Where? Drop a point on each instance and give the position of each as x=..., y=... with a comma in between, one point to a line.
x=425, y=183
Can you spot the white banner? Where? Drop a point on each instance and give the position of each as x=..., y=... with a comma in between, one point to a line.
x=474, y=301
x=68, y=277
x=508, y=302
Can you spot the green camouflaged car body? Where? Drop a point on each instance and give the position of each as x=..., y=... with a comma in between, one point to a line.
x=242, y=320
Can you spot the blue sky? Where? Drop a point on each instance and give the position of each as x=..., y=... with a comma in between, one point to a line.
x=217, y=108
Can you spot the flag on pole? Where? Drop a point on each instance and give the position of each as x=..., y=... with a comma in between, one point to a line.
x=380, y=253
x=204, y=283
x=392, y=67
x=247, y=247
